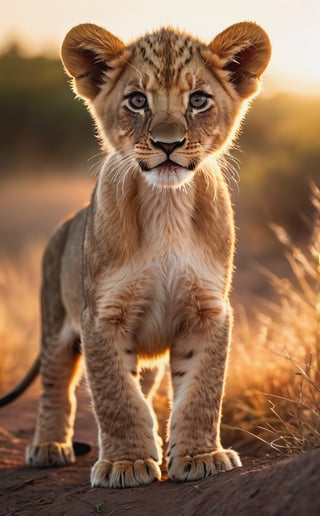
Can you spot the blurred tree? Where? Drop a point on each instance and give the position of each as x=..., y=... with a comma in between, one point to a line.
x=281, y=146
x=43, y=128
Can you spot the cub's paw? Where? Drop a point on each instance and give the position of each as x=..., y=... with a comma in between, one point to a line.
x=124, y=473
x=185, y=467
x=46, y=455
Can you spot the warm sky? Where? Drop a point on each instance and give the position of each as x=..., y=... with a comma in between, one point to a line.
x=293, y=26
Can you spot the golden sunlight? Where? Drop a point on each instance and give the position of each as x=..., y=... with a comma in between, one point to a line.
x=293, y=27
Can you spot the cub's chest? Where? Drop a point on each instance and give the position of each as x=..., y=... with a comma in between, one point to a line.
x=150, y=301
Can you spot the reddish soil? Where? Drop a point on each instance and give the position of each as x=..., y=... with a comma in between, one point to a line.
x=279, y=486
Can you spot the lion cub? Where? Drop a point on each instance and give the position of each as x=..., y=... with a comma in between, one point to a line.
x=146, y=268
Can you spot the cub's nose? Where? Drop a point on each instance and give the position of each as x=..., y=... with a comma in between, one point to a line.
x=168, y=148
x=167, y=132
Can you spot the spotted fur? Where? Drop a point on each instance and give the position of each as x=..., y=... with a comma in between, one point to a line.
x=146, y=269
x=168, y=53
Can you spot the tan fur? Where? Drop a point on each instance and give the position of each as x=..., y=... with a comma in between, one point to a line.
x=146, y=268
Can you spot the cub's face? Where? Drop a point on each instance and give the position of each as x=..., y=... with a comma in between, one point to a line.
x=167, y=112
x=167, y=102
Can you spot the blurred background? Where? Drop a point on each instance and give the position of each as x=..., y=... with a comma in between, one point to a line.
x=47, y=146
x=49, y=157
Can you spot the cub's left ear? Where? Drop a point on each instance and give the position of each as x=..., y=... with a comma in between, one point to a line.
x=245, y=50
x=87, y=53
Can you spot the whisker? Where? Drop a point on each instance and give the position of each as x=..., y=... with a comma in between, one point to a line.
x=95, y=167
x=120, y=168
x=134, y=68
x=229, y=165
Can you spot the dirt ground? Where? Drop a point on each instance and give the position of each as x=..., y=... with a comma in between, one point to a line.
x=279, y=486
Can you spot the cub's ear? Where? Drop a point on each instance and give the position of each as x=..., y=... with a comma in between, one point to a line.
x=87, y=52
x=245, y=50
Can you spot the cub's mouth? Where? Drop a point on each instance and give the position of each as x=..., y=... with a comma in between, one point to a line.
x=168, y=174
x=172, y=166
x=167, y=166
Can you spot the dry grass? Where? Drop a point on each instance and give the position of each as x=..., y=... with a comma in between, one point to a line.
x=29, y=210
x=19, y=313
x=275, y=371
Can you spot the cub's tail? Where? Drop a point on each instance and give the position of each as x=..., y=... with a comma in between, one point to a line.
x=23, y=385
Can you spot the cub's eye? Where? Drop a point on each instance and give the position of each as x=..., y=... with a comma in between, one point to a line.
x=199, y=100
x=137, y=101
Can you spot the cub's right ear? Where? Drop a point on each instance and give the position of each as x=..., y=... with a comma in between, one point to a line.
x=88, y=52
x=245, y=50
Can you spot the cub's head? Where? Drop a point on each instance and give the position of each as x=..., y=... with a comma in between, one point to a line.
x=167, y=101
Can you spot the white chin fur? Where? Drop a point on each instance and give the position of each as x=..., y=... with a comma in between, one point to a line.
x=167, y=178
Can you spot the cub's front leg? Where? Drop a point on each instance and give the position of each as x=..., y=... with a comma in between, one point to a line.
x=128, y=453
x=198, y=362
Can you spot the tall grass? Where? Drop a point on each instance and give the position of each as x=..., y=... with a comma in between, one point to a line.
x=275, y=371
x=19, y=313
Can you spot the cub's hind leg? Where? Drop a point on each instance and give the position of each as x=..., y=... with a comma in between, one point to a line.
x=150, y=381
x=60, y=367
